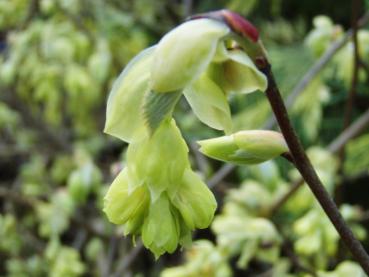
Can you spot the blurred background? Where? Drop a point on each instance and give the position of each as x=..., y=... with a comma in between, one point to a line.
x=58, y=60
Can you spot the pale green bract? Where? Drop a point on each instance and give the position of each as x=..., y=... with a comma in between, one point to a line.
x=158, y=195
x=191, y=58
x=123, y=111
x=209, y=103
x=184, y=53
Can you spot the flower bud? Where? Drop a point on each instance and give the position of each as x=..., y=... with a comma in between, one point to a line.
x=160, y=232
x=194, y=201
x=151, y=159
x=121, y=204
x=245, y=147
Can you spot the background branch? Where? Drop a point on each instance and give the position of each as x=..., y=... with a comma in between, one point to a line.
x=350, y=102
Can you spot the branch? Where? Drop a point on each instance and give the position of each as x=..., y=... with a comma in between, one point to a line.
x=354, y=80
x=351, y=132
x=127, y=260
x=58, y=139
x=307, y=171
x=297, y=90
x=320, y=64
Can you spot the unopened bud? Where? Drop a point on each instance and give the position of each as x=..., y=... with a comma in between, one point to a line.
x=245, y=147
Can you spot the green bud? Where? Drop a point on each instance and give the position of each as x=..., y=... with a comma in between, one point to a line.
x=184, y=53
x=245, y=147
x=151, y=159
x=194, y=201
x=123, y=112
x=121, y=204
x=160, y=232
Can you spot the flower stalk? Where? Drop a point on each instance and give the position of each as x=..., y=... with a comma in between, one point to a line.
x=304, y=166
x=296, y=150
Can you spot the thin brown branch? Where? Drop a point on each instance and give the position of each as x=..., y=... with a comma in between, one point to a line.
x=355, y=76
x=321, y=63
x=352, y=131
x=307, y=171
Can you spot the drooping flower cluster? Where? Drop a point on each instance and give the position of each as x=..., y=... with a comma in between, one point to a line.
x=157, y=195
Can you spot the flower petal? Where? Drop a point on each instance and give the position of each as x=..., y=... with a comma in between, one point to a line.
x=123, y=112
x=184, y=53
x=120, y=205
x=238, y=74
x=158, y=160
x=160, y=232
x=195, y=201
x=209, y=103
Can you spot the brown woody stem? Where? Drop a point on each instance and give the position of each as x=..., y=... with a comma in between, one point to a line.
x=304, y=166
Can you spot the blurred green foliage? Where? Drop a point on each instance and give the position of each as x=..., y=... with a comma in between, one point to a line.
x=58, y=60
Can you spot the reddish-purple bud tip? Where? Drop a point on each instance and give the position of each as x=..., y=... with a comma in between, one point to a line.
x=236, y=22
x=240, y=25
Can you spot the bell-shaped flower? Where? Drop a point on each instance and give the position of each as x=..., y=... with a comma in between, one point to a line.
x=197, y=58
x=158, y=160
x=121, y=204
x=194, y=201
x=157, y=195
x=245, y=147
x=161, y=231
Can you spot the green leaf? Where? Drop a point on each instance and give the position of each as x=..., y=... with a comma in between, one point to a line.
x=209, y=103
x=123, y=112
x=184, y=53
